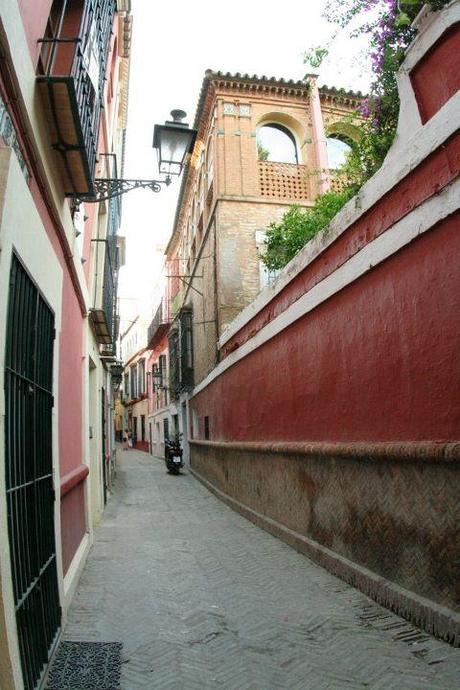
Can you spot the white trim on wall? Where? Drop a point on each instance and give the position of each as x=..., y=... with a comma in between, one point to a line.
x=402, y=233
x=404, y=156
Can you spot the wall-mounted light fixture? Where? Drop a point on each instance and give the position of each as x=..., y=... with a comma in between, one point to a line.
x=173, y=141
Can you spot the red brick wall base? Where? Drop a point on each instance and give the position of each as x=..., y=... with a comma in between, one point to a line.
x=142, y=445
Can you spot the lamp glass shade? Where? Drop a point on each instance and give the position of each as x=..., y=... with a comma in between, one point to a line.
x=173, y=142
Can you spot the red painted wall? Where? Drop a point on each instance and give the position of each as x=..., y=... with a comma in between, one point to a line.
x=142, y=445
x=73, y=523
x=433, y=84
x=70, y=382
x=377, y=362
x=433, y=174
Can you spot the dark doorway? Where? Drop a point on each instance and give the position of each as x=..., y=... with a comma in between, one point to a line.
x=29, y=472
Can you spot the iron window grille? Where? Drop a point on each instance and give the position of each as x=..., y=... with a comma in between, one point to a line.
x=162, y=371
x=174, y=364
x=133, y=381
x=141, y=377
x=159, y=324
x=29, y=472
x=186, y=346
x=105, y=320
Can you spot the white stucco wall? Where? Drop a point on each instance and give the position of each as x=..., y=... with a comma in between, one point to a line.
x=22, y=231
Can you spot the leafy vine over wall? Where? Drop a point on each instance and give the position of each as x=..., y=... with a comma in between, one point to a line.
x=388, y=26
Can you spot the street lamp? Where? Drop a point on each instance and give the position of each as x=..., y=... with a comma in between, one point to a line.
x=174, y=141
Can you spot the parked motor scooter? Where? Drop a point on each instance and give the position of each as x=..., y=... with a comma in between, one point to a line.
x=173, y=456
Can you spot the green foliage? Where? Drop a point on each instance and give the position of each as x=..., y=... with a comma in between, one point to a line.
x=388, y=26
x=298, y=226
x=262, y=152
x=315, y=56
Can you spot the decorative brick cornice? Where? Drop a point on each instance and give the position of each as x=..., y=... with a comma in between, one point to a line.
x=335, y=96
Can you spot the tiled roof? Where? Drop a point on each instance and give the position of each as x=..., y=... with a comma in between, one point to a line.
x=247, y=79
x=340, y=93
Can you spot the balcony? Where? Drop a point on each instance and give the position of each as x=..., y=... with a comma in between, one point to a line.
x=284, y=181
x=104, y=319
x=159, y=325
x=73, y=68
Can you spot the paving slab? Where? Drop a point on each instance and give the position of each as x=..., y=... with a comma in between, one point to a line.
x=201, y=598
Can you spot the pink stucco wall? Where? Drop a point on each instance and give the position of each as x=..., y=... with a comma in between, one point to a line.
x=34, y=16
x=70, y=382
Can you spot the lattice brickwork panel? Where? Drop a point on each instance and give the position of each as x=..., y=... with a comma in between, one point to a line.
x=284, y=181
x=338, y=181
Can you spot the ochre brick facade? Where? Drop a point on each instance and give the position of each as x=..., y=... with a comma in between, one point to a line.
x=228, y=195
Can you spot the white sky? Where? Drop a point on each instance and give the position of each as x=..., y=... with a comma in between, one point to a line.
x=173, y=44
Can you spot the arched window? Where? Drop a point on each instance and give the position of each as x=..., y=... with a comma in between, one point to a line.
x=276, y=143
x=337, y=151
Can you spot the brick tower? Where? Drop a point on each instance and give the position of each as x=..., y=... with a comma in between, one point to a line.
x=261, y=147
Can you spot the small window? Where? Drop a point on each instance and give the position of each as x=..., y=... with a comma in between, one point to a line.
x=162, y=371
x=133, y=382
x=141, y=377
x=175, y=421
x=266, y=276
x=206, y=428
x=276, y=143
x=165, y=429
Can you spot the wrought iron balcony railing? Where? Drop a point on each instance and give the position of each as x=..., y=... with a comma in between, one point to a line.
x=104, y=318
x=159, y=324
x=174, y=364
x=73, y=69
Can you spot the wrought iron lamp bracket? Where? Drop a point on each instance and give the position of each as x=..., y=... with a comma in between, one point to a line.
x=108, y=188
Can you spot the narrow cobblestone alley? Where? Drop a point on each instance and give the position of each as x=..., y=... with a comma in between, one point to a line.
x=201, y=598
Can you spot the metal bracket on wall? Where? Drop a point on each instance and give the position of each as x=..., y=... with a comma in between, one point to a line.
x=108, y=188
x=182, y=278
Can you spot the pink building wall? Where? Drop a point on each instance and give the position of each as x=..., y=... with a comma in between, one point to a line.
x=34, y=17
x=73, y=471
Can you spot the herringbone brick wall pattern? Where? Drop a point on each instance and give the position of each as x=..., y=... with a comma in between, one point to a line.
x=397, y=518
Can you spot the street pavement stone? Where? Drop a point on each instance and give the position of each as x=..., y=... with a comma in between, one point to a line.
x=203, y=599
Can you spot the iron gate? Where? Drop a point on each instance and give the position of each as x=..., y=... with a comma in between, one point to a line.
x=29, y=479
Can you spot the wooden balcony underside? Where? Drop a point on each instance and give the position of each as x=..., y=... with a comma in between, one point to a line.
x=65, y=127
x=100, y=326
